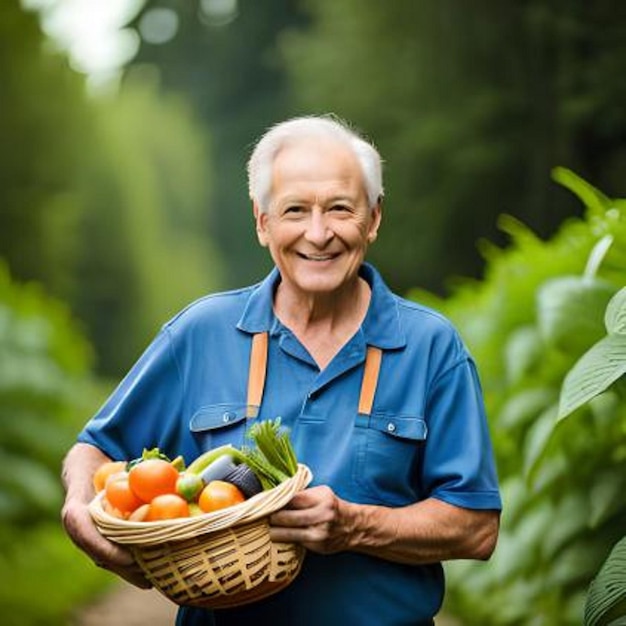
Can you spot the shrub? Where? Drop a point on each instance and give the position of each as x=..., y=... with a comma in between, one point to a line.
x=539, y=308
x=46, y=391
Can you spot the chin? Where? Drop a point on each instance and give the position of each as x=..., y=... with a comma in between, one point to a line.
x=325, y=280
x=322, y=283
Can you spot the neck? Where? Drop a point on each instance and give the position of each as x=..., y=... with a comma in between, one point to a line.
x=324, y=323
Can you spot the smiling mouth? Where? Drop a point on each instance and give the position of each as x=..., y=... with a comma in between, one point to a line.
x=317, y=257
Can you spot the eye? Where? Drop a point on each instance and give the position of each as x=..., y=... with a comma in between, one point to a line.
x=293, y=209
x=340, y=208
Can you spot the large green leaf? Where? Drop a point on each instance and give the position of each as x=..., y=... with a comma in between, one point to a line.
x=570, y=517
x=606, y=496
x=519, y=548
x=536, y=443
x=524, y=407
x=601, y=366
x=606, y=600
x=522, y=352
x=615, y=316
x=570, y=312
x=33, y=482
x=578, y=562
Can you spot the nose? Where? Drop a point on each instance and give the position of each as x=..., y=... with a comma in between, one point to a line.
x=317, y=231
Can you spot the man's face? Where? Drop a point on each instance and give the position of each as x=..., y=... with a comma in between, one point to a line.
x=318, y=224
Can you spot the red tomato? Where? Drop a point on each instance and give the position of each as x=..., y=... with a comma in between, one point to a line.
x=119, y=494
x=167, y=506
x=151, y=478
x=219, y=494
x=108, y=468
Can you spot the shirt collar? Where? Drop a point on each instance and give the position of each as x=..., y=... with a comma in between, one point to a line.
x=381, y=326
x=258, y=315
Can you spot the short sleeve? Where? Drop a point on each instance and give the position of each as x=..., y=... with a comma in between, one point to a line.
x=459, y=466
x=144, y=410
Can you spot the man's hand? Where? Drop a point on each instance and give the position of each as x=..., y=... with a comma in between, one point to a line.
x=315, y=518
x=79, y=466
x=424, y=532
x=83, y=532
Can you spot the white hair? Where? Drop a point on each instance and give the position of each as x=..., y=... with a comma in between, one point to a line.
x=281, y=134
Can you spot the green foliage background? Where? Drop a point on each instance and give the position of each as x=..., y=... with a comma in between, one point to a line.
x=538, y=309
x=118, y=208
x=46, y=387
x=472, y=104
x=103, y=200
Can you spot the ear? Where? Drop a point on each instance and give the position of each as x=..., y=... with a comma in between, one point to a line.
x=260, y=219
x=375, y=219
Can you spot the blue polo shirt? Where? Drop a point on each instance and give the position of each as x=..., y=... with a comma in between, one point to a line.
x=427, y=434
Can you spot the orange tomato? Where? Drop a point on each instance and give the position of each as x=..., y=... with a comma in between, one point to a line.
x=140, y=514
x=119, y=495
x=151, y=478
x=167, y=506
x=105, y=470
x=219, y=494
x=111, y=510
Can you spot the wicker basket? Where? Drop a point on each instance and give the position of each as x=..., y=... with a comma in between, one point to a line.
x=215, y=560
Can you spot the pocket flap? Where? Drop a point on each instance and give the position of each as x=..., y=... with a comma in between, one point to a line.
x=401, y=426
x=217, y=416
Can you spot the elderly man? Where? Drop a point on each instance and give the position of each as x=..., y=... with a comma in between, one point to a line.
x=403, y=471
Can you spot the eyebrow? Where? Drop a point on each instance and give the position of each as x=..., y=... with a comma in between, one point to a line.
x=301, y=200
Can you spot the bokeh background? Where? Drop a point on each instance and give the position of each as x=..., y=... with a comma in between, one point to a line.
x=125, y=127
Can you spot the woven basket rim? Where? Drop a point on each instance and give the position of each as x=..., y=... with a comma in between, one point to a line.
x=260, y=505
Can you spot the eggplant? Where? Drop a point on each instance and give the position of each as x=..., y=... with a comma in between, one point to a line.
x=244, y=479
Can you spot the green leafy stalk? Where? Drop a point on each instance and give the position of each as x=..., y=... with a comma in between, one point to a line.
x=268, y=475
x=273, y=458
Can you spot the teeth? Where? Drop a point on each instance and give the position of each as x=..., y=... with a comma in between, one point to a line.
x=314, y=257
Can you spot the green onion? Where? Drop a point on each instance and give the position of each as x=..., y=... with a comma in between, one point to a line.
x=273, y=458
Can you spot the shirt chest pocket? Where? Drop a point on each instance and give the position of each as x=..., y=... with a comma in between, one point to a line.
x=219, y=424
x=388, y=459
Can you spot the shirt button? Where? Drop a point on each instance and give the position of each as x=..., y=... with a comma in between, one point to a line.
x=227, y=416
x=391, y=427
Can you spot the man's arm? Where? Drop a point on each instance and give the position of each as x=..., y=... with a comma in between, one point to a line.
x=78, y=468
x=425, y=532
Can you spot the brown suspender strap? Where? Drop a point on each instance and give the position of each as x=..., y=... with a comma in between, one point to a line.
x=256, y=374
x=258, y=367
x=370, y=379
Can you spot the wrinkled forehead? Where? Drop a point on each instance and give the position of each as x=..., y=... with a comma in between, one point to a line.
x=316, y=161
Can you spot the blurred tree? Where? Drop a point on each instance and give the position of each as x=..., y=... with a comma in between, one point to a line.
x=145, y=249
x=43, y=119
x=458, y=96
x=471, y=104
x=223, y=55
x=105, y=201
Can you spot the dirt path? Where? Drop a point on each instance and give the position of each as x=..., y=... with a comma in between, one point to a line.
x=126, y=605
